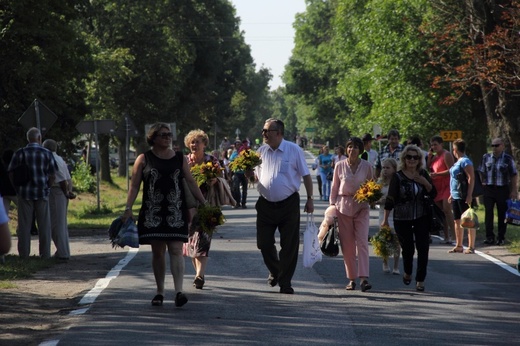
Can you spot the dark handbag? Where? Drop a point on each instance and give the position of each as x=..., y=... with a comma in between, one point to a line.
x=21, y=174
x=462, y=185
x=330, y=244
x=436, y=215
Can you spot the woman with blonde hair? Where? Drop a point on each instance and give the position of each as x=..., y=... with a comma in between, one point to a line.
x=200, y=242
x=407, y=197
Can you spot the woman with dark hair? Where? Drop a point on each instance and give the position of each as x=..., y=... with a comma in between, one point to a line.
x=163, y=217
x=407, y=196
x=459, y=205
x=439, y=162
x=353, y=217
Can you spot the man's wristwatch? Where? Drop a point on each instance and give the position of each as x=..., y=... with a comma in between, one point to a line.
x=310, y=197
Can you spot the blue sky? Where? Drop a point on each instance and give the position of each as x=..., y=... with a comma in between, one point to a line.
x=267, y=26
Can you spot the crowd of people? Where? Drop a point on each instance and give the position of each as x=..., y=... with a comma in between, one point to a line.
x=412, y=179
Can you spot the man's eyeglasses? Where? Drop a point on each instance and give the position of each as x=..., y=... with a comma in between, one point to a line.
x=267, y=130
x=412, y=157
x=495, y=145
x=165, y=135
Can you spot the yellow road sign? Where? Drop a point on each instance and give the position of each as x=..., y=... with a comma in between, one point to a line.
x=450, y=136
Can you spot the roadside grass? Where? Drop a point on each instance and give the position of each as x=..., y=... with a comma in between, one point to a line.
x=83, y=214
x=83, y=211
x=16, y=268
x=512, y=235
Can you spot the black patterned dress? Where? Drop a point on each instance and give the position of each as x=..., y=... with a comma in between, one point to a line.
x=163, y=213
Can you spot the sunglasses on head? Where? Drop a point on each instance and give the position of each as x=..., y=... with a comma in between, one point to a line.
x=412, y=157
x=165, y=135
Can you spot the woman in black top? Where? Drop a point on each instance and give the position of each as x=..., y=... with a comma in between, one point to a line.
x=410, y=194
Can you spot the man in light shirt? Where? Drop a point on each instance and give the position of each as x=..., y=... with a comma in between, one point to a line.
x=279, y=178
x=61, y=192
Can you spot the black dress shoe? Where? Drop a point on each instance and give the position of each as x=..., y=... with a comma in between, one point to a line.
x=489, y=241
x=501, y=242
x=272, y=280
x=286, y=290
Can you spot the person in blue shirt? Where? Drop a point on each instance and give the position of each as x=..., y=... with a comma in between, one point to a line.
x=325, y=167
x=459, y=205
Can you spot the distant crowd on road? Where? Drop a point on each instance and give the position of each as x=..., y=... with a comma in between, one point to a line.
x=419, y=186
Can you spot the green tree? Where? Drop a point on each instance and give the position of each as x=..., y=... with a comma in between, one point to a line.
x=44, y=56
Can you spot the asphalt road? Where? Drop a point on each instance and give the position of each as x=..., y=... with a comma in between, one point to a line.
x=468, y=300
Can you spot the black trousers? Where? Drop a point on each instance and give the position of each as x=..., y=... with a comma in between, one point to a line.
x=284, y=216
x=414, y=230
x=495, y=195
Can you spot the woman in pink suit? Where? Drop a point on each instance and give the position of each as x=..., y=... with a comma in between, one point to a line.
x=353, y=217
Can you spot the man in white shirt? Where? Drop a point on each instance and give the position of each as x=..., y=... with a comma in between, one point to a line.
x=279, y=179
x=61, y=192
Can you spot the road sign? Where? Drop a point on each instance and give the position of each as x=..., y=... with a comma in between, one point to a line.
x=310, y=129
x=96, y=126
x=450, y=136
x=39, y=116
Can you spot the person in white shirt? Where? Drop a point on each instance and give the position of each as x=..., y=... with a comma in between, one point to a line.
x=278, y=207
x=61, y=192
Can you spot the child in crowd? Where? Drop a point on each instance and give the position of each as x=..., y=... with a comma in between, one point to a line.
x=388, y=169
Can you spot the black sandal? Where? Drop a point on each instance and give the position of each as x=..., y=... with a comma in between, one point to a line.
x=199, y=282
x=157, y=300
x=351, y=286
x=180, y=299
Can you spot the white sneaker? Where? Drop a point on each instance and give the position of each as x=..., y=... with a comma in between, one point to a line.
x=386, y=269
x=396, y=272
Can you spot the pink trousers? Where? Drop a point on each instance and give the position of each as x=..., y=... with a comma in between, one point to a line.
x=353, y=235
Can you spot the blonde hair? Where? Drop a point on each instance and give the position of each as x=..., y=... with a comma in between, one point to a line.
x=406, y=150
x=392, y=162
x=193, y=134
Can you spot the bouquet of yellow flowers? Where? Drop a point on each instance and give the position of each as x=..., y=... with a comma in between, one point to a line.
x=208, y=218
x=369, y=191
x=206, y=171
x=385, y=242
x=246, y=160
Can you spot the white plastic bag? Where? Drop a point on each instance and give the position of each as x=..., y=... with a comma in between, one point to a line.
x=311, y=244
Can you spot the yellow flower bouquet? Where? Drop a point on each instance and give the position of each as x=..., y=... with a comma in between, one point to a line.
x=246, y=160
x=385, y=242
x=208, y=218
x=369, y=191
x=206, y=171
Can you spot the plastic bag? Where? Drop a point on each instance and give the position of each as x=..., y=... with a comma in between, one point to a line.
x=123, y=234
x=469, y=219
x=513, y=212
x=311, y=245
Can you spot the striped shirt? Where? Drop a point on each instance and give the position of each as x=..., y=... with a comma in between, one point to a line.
x=497, y=171
x=41, y=164
x=386, y=153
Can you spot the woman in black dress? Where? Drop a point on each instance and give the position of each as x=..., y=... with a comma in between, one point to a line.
x=163, y=218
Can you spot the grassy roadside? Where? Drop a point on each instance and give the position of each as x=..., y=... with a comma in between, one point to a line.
x=83, y=214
